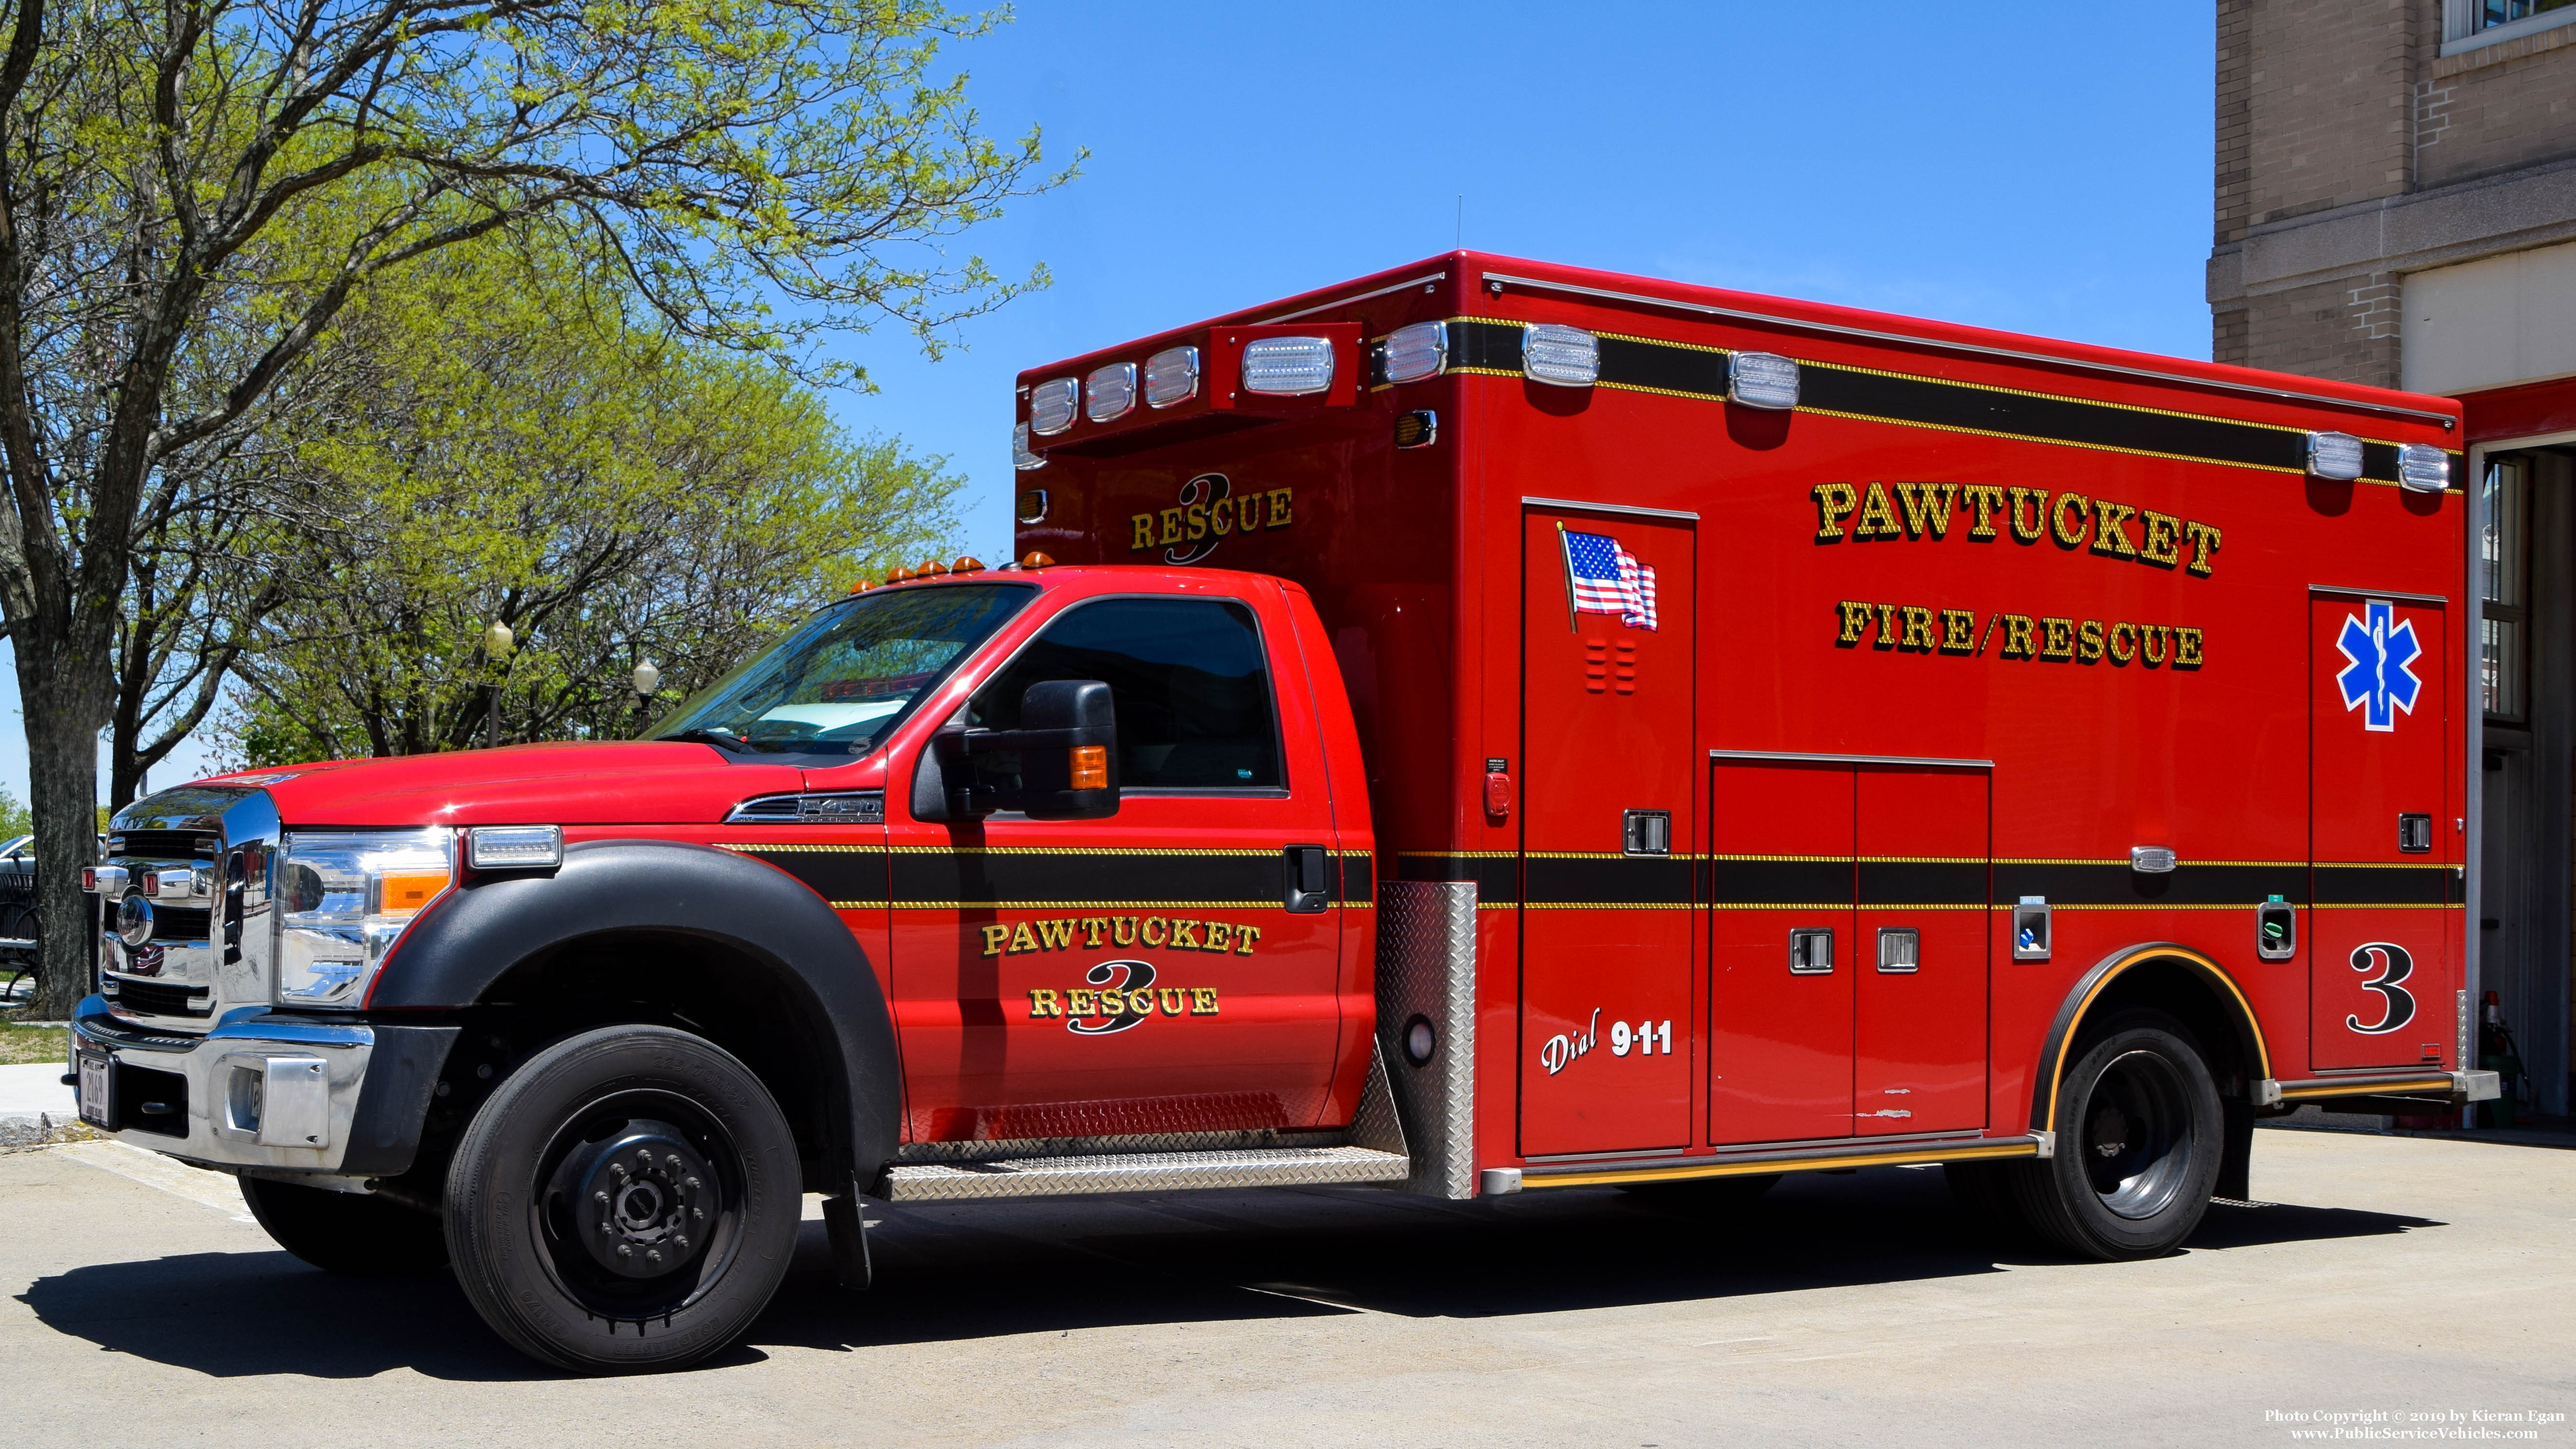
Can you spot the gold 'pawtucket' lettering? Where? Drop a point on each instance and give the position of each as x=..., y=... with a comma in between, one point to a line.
x=1921, y=511
x=1174, y=932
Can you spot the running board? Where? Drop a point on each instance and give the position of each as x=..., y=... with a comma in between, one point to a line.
x=1372, y=1150
x=1143, y=1172
x=1812, y=1158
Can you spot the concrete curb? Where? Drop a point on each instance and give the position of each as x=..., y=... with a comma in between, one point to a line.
x=39, y=1129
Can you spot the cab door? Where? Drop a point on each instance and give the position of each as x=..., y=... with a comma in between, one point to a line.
x=1607, y=813
x=1171, y=968
x=2384, y=849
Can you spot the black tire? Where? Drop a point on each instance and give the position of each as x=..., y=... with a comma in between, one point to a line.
x=2139, y=1137
x=1705, y=1194
x=626, y=1201
x=346, y=1232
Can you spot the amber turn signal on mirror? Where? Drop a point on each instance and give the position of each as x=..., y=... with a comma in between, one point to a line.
x=1090, y=767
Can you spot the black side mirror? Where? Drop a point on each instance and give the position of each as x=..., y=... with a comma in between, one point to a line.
x=1068, y=748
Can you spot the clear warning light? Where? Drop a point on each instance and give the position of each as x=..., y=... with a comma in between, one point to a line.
x=2423, y=468
x=1111, y=391
x=1051, y=405
x=1288, y=366
x=2334, y=456
x=1171, y=376
x=1762, y=380
x=1416, y=352
x=1564, y=356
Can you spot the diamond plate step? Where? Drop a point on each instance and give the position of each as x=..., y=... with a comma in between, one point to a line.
x=1143, y=1172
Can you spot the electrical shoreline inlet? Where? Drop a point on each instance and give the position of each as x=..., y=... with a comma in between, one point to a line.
x=1485, y=727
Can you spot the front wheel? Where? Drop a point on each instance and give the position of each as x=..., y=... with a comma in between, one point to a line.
x=626, y=1201
x=2139, y=1136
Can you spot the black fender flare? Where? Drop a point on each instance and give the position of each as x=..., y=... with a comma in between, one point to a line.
x=2079, y=1000
x=474, y=935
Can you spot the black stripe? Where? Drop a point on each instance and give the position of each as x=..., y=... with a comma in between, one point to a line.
x=1359, y=878
x=1780, y=882
x=835, y=875
x=1692, y=371
x=2414, y=885
x=1663, y=367
x=1075, y=877
x=1610, y=880
x=2114, y=884
x=1497, y=877
x=1922, y=882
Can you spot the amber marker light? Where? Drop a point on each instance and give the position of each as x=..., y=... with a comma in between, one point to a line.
x=403, y=893
x=931, y=568
x=1036, y=560
x=1090, y=767
x=967, y=564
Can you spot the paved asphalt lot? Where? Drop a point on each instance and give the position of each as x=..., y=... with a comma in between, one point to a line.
x=2388, y=1275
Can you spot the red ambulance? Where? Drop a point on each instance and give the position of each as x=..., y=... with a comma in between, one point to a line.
x=1479, y=728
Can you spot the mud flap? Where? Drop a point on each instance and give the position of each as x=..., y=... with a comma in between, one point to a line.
x=846, y=1224
x=2236, y=1156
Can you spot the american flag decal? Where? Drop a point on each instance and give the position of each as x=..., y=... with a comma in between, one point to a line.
x=1603, y=578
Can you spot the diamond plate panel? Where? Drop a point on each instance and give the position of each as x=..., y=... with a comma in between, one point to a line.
x=1142, y=1172
x=1426, y=967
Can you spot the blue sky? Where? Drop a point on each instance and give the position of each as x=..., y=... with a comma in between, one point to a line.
x=2045, y=169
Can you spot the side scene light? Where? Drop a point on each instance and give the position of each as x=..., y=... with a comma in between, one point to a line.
x=2423, y=468
x=1288, y=366
x=1021, y=457
x=1110, y=392
x=1051, y=405
x=2334, y=456
x=1562, y=356
x=1762, y=380
x=1171, y=376
x=1413, y=353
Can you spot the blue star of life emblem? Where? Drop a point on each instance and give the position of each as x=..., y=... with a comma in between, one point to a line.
x=2376, y=679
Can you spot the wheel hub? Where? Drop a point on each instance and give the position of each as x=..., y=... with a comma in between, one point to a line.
x=642, y=1198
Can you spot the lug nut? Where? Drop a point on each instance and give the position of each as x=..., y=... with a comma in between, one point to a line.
x=674, y=1160
x=699, y=1213
x=618, y=1167
x=606, y=1226
x=600, y=1196
x=653, y=1255
x=680, y=1238
x=625, y=1251
x=693, y=1184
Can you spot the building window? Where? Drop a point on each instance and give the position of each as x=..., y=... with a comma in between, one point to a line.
x=2504, y=607
x=2468, y=24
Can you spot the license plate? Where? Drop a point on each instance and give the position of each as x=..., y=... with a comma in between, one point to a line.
x=94, y=1104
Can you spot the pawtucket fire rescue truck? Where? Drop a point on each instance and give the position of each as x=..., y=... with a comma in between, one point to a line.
x=1482, y=728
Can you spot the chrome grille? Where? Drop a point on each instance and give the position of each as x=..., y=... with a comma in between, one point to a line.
x=161, y=998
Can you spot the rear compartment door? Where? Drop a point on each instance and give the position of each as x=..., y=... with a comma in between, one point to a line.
x=2383, y=847
x=1920, y=966
x=1607, y=815
x=1782, y=955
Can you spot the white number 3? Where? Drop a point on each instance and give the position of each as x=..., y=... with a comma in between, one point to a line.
x=2393, y=965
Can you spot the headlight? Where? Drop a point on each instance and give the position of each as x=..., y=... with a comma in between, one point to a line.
x=345, y=897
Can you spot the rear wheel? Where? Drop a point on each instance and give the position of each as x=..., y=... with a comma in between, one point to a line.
x=2139, y=1137
x=626, y=1201
x=346, y=1232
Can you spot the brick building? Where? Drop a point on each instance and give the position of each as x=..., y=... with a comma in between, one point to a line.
x=2396, y=204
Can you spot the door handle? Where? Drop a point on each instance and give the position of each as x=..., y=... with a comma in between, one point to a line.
x=1308, y=890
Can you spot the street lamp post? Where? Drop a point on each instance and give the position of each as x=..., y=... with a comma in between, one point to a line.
x=646, y=680
x=498, y=641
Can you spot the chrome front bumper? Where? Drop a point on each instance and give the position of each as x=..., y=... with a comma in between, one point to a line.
x=267, y=1090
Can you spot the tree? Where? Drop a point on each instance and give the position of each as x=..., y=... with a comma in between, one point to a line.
x=513, y=448
x=190, y=195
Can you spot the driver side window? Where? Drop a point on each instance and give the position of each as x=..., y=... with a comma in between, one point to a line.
x=1189, y=679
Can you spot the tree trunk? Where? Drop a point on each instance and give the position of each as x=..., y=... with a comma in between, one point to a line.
x=62, y=777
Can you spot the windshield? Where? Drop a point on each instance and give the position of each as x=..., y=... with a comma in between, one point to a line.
x=843, y=679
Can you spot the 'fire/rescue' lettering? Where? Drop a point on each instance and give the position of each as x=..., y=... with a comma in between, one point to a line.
x=2070, y=520
x=1920, y=629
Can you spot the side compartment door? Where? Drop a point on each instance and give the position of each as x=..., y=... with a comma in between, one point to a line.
x=1162, y=970
x=1606, y=817
x=1782, y=951
x=2382, y=848
x=1920, y=967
